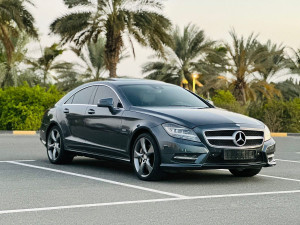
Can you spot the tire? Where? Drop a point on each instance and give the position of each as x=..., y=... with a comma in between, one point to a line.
x=245, y=172
x=146, y=160
x=55, y=147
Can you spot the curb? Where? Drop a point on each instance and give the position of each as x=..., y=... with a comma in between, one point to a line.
x=19, y=132
x=285, y=134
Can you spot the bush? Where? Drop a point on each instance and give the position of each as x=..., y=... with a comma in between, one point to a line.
x=278, y=115
x=22, y=108
x=225, y=99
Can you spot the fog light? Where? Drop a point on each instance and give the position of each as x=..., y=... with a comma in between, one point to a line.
x=270, y=157
x=186, y=157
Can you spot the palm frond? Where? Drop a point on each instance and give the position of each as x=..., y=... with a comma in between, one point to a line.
x=71, y=25
x=250, y=59
x=74, y=3
x=191, y=51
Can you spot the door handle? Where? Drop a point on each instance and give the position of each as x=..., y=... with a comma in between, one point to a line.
x=66, y=110
x=91, y=111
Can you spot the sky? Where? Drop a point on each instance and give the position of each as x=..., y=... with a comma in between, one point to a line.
x=278, y=20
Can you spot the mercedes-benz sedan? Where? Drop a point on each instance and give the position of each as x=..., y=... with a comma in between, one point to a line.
x=156, y=127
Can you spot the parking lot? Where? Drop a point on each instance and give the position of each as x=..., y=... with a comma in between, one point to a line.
x=88, y=191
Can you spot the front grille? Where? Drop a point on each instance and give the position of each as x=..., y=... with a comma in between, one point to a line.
x=226, y=138
x=219, y=133
x=253, y=133
x=231, y=132
x=220, y=142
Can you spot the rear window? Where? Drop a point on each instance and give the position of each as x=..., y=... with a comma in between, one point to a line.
x=83, y=96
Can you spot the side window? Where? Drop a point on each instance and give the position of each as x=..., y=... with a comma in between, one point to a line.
x=106, y=92
x=83, y=96
x=70, y=100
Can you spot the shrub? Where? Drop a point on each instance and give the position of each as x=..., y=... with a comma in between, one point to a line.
x=225, y=99
x=22, y=107
x=278, y=115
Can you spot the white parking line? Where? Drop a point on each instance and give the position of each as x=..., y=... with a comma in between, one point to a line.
x=280, y=178
x=22, y=160
x=275, y=177
x=284, y=160
x=99, y=179
x=144, y=201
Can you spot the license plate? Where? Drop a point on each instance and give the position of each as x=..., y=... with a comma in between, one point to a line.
x=239, y=154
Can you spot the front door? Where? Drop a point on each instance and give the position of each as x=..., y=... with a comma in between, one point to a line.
x=103, y=126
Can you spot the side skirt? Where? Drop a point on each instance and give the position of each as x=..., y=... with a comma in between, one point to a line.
x=98, y=156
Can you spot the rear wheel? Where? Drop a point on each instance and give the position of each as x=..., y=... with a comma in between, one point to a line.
x=146, y=158
x=55, y=147
x=245, y=172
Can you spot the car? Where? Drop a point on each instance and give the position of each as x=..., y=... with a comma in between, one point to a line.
x=155, y=126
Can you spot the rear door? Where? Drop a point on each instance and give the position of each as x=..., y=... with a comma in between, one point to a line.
x=103, y=127
x=74, y=111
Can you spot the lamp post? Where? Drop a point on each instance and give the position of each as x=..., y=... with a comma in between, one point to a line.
x=195, y=76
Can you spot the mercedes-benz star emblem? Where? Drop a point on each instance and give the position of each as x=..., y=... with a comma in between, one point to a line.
x=239, y=138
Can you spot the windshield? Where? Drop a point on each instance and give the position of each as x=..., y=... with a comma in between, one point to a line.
x=160, y=95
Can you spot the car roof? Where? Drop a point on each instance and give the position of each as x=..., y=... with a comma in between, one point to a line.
x=113, y=82
x=128, y=81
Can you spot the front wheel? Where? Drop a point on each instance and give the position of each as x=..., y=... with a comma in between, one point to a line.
x=55, y=147
x=245, y=172
x=146, y=158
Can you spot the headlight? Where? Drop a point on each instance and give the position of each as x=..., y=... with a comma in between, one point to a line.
x=181, y=132
x=267, y=134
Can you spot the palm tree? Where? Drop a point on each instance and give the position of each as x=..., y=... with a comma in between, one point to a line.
x=116, y=19
x=2, y=63
x=68, y=77
x=92, y=60
x=246, y=57
x=294, y=63
x=290, y=88
x=190, y=53
x=274, y=63
x=17, y=58
x=14, y=18
x=46, y=65
x=29, y=77
x=261, y=90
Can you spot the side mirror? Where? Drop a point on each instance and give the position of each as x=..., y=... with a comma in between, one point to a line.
x=106, y=103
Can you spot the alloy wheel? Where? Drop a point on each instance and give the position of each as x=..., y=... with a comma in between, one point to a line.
x=54, y=145
x=144, y=157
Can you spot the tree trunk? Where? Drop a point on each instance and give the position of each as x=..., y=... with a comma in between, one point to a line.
x=45, y=78
x=112, y=67
x=8, y=79
x=113, y=47
x=9, y=49
x=239, y=91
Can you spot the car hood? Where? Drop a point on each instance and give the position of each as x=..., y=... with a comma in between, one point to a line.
x=193, y=117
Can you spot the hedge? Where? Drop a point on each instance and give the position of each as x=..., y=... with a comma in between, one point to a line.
x=23, y=107
x=277, y=114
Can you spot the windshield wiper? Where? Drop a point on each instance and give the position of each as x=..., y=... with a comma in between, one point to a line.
x=201, y=107
x=181, y=105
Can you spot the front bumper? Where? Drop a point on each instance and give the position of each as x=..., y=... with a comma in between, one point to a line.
x=188, y=155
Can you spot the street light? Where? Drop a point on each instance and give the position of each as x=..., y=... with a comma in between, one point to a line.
x=195, y=76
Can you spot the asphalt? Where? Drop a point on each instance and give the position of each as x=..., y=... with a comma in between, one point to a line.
x=91, y=191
